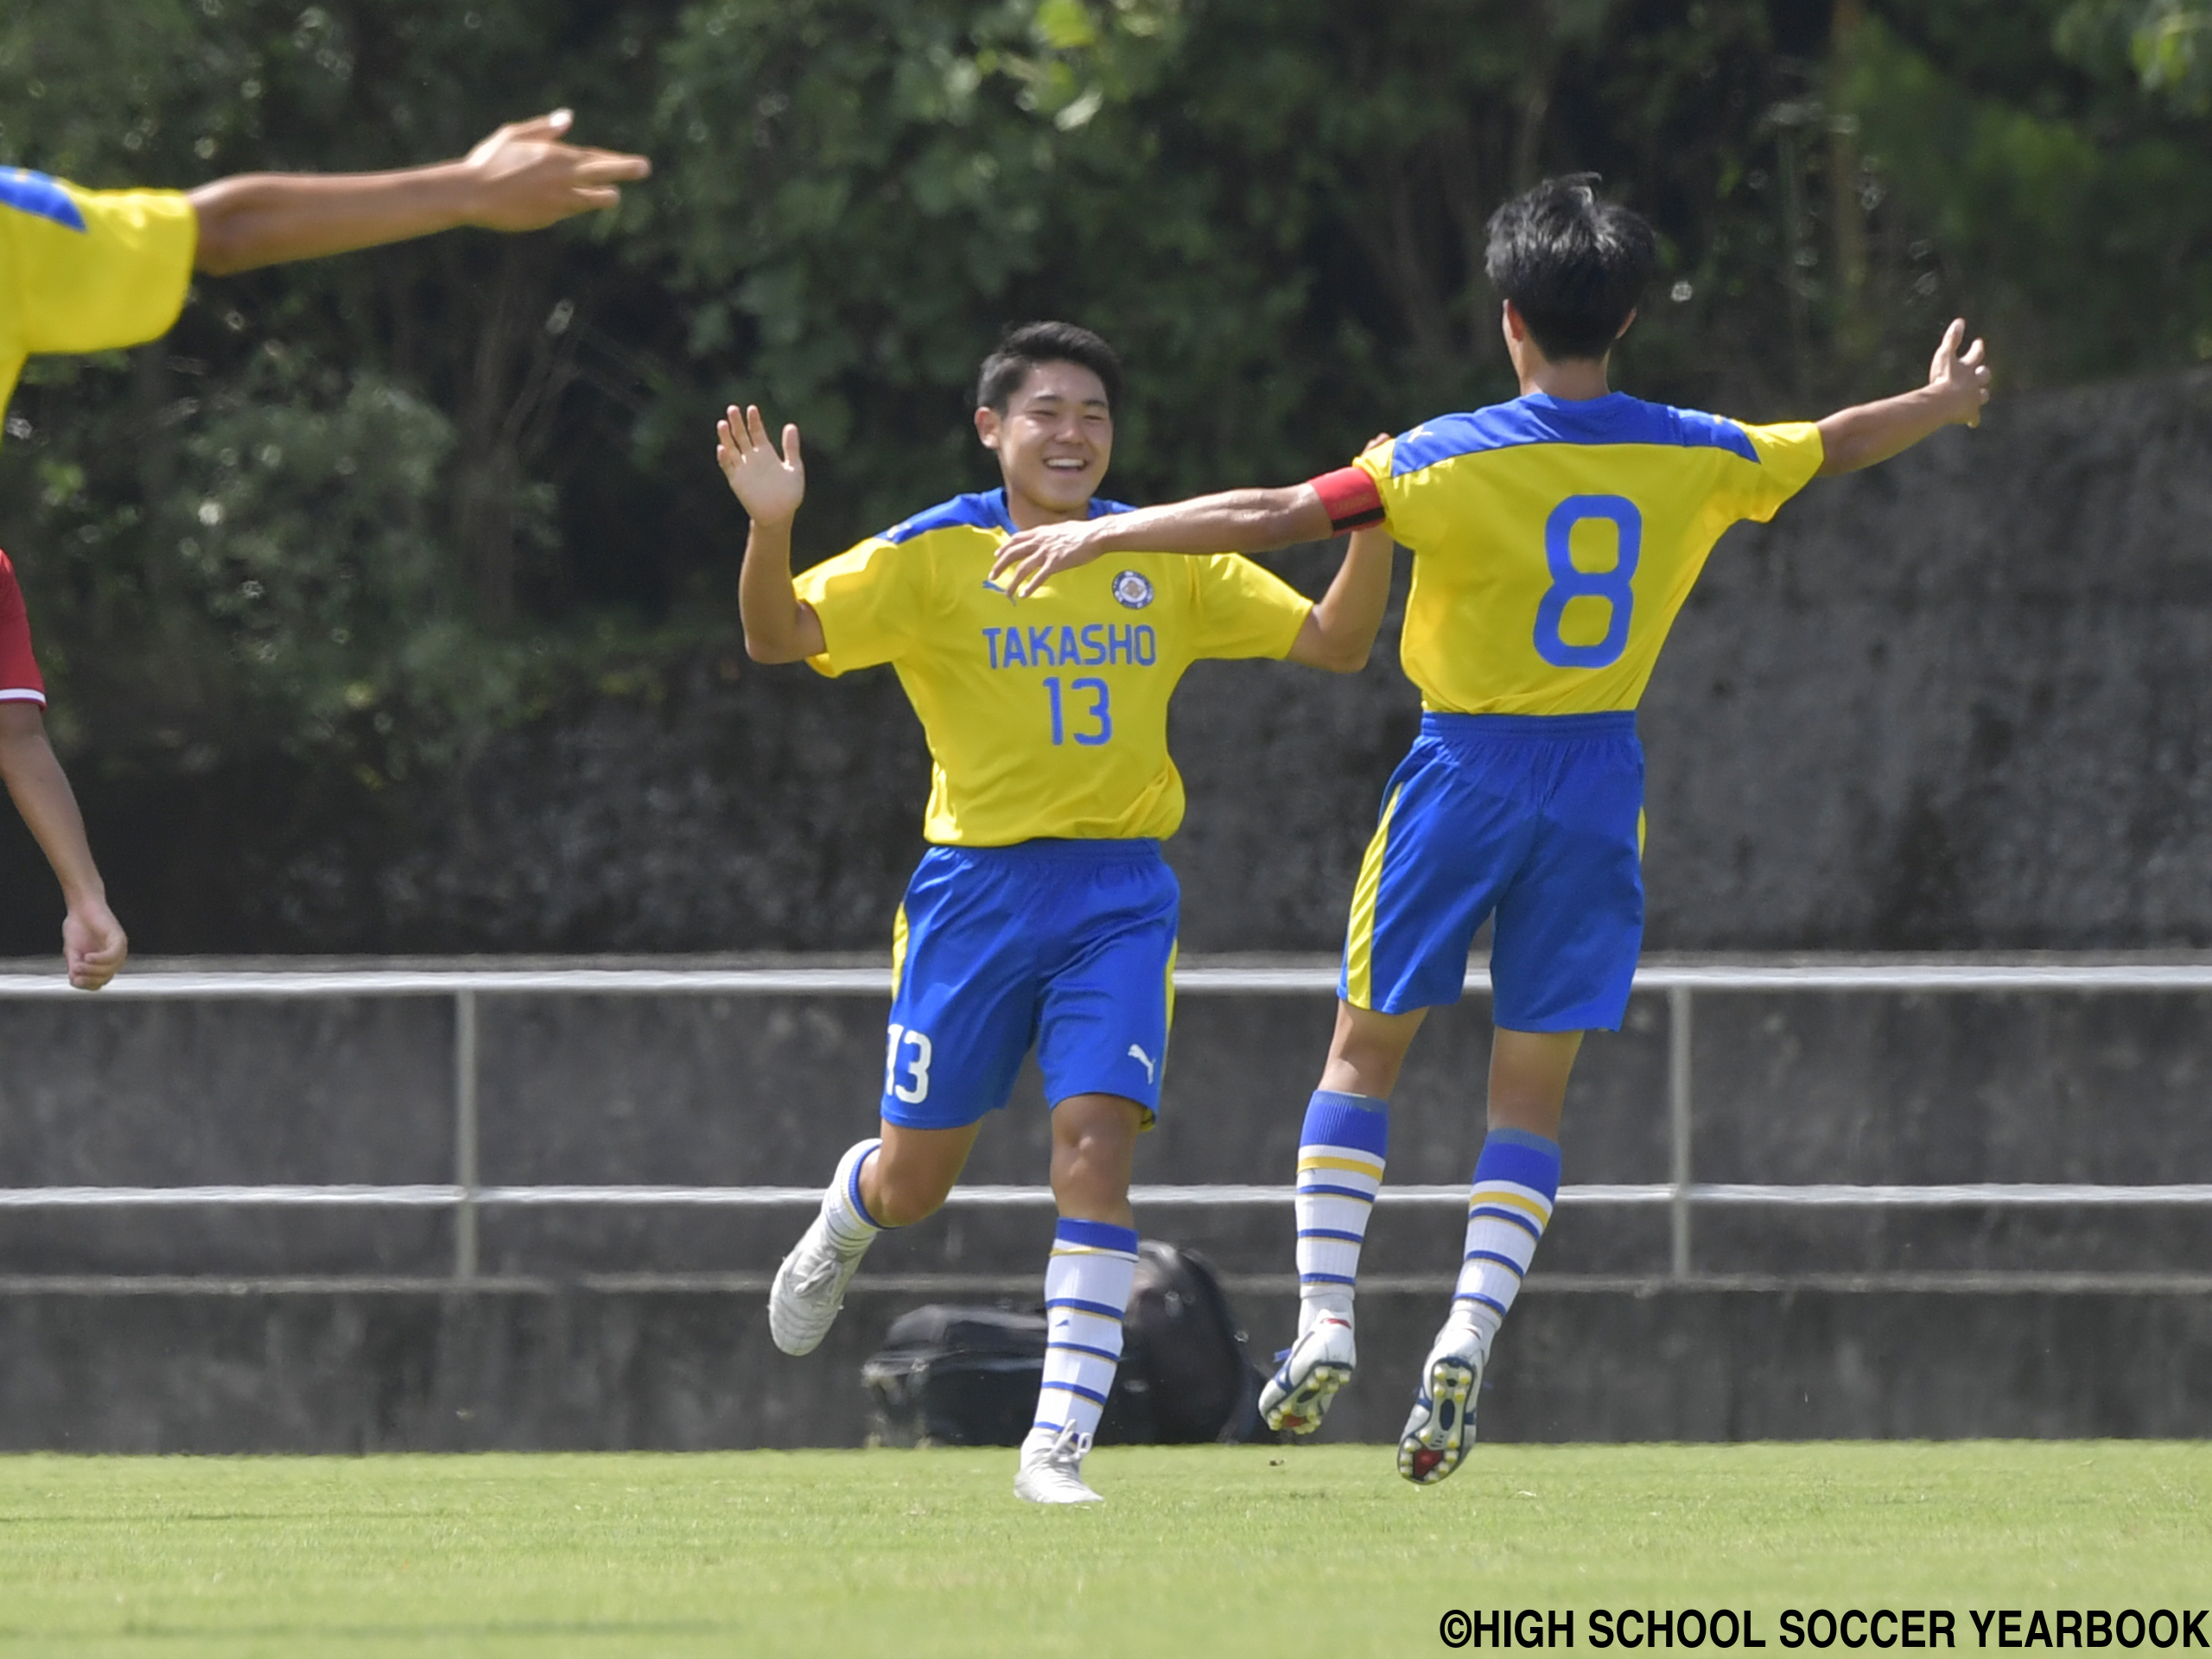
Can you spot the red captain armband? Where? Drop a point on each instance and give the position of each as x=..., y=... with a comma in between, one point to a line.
x=1350, y=495
x=19, y=675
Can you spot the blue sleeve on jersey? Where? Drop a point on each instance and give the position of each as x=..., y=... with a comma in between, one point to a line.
x=34, y=192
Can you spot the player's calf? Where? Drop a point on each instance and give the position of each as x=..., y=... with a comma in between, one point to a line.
x=1516, y=1185
x=1342, y=1150
x=1087, y=1284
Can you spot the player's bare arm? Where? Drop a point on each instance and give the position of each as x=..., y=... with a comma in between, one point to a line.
x=1339, y=632
x=1235, y=521
x=524, y=177
x=1958, y=385
x=769, y=483
x=92, y=943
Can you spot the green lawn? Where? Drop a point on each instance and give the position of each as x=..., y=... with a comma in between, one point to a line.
x=1305, y=1551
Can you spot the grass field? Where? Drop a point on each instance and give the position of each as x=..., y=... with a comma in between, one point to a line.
x=1319, y=1551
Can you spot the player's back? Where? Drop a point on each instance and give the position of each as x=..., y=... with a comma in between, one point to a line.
x=1555, y=541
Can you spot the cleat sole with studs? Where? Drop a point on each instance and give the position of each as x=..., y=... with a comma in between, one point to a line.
x=1438, y=1433
x=1301, y=1411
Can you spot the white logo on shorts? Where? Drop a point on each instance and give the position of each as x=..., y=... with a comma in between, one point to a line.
x=1133, y=590
x=1143, y=1059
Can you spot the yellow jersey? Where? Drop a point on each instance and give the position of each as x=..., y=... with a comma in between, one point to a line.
x=1048, y=717
x=82, y=270
x=1555, y=541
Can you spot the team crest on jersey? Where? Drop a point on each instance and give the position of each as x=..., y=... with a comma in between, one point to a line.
x=1131, y=590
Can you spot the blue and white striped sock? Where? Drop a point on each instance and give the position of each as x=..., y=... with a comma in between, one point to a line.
x=1341, y=1152
x=851, y=1228
x=1516, y=1181
x=1087, y=1285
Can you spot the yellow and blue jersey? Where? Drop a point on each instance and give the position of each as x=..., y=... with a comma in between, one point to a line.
x=83, y=270
x=1047, y=718
x=1555, y=541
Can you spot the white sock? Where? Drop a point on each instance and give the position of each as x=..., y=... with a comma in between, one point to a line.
x=1341, y=1154
x=1087, y=1284
x=1516, y=1181
x=844, y=1217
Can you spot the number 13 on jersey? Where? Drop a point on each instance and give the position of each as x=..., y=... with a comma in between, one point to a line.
x=1570, y=581
x=1097, y=721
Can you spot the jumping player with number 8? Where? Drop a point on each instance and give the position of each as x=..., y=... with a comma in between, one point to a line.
x=1555, y=538
x=1042, y=912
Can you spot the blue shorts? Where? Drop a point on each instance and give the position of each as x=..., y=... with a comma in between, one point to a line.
x=1068, y=944
x=1538, y=818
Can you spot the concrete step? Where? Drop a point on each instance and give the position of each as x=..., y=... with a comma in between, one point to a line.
x=276, y=1366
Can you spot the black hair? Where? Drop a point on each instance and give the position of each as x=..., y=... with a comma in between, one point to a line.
x=1022, y=349
x=1574, y=266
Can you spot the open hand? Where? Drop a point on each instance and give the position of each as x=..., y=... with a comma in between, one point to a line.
x=93, y=946
x=526, y=178
x=770, y=486
x=1962, y=377
x=1032, y=558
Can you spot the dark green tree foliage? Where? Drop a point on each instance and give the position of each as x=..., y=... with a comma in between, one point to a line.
x=320, y=517
x=1275, y=208
x=367, y=511
x=2051, y=163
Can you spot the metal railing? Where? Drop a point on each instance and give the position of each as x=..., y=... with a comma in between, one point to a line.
x=468, y=1196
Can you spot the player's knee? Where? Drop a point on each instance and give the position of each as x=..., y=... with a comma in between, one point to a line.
x=1093, y=1175
x=1369, y=1050
x=1355, y=1070
x=895, y=1208
x=1095, y=1145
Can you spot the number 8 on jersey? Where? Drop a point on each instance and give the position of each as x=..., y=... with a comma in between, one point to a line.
x=1570, y=581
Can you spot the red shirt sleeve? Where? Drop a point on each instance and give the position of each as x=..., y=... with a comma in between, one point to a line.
x=1350, y=495
x=19, y=676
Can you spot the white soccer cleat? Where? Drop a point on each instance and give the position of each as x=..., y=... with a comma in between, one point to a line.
x=810, y=1289
x=1051, y=1467
x=1319, y=1364
x=1442, y=1426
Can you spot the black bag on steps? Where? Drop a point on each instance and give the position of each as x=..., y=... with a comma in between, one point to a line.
x=969, y=1376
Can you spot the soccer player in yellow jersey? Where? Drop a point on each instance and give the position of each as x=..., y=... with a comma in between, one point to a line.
x=1042, y=912
x=1554, y=539
x=85, y=270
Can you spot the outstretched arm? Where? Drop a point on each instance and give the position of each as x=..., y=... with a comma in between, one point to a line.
x=779, y=626
x=522, y=178
x=1235, y=521
x=92, y=943
x=1958, y=385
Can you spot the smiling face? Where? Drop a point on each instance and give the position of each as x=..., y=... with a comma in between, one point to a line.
x=1053, y=442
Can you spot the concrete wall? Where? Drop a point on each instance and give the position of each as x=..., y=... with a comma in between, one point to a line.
x=644, y=1327
x=1795, y=1088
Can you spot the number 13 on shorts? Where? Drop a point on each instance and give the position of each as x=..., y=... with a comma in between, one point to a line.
x=907, y=1052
